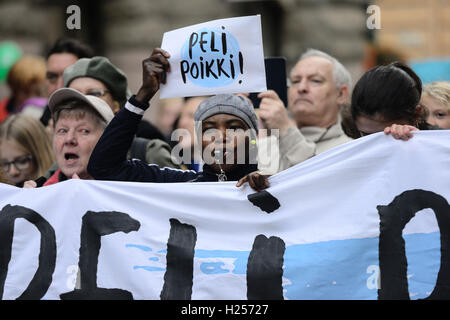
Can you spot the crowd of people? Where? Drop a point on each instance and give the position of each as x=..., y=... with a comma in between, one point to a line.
x=72, y=115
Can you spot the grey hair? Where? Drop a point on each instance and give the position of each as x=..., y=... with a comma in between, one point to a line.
x=340, y=73
x=78, y=110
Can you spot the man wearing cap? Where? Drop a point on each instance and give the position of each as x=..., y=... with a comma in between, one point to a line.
x=226, y=125
x=79, y=122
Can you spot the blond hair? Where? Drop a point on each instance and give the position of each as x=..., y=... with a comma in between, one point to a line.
x=28, y=73
x=439, y=90
x=30, y=134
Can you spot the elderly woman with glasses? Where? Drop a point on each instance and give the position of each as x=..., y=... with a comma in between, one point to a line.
x=25, y=149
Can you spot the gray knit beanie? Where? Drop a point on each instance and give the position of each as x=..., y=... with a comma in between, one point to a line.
x=102, y=69
x=238, y=106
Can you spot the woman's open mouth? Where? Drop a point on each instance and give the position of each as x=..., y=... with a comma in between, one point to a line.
x=71, y=158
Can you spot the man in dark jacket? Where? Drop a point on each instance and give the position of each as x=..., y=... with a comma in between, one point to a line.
x=226, y=125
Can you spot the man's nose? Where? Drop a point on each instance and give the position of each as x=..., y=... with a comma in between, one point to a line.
x=302, y=86
x=60, y=82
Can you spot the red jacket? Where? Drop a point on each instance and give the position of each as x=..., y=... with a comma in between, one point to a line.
x=53, y=179
x=4, y=113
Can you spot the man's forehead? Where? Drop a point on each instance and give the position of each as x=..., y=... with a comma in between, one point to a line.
x=61, y=60
x=313, y=65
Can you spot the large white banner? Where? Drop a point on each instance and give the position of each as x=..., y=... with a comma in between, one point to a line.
x=325, y=229
x=219, y=56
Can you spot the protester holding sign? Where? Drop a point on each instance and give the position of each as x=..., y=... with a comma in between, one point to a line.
x=98, y=77
x=216, y=118
x=215, y=57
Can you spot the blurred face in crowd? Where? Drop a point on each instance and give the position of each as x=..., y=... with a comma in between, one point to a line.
x=313, y=97
x=439, y=113
x=368, y=125
x=186, y=122
x=56, y=64
x=226, y=134
x=94, y=87
x=74, y=140
x=17, y=164
x=170, y=109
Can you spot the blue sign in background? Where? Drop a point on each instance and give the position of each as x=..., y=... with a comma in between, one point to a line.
x=434, y=70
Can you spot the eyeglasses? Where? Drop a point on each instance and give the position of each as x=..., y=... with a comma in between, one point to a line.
x=20, y=163
x=97, y=93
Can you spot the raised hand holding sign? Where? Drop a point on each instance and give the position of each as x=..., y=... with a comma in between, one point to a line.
x=214, y=57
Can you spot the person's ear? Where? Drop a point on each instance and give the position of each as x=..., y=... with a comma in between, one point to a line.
x=420, y=113
x=343, y=93
x=419, y=109
x=116, y=107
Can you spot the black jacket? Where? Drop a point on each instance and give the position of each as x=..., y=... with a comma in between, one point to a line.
x=109, y=159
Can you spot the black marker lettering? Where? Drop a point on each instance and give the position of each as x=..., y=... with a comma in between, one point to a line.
x=194, y=70
x=224, y=43
x=47, y=256
x=179, y=274
x=392, y=256
x=213, y=42
x=232, y=67
x=220, y=69
x=192, y=41
x=208, y=69
x=265, y=269
x=241, y=62
x=202, y=41
x=264, y=200
x=94, y=226
x=184, y=66
x=202, y=68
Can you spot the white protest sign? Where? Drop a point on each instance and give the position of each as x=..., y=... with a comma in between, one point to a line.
x=220, y=56
x=369, y=219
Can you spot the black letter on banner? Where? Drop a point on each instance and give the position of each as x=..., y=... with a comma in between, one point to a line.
x=265, y=269
x=94, y=226
x=47, y=255
x=264, y=200
x=180, y=262
x=392, y=256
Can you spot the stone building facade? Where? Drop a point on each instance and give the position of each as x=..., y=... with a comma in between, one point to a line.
x=127, y=31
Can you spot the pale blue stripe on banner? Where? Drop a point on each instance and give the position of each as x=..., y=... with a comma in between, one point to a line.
x=338, y=269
